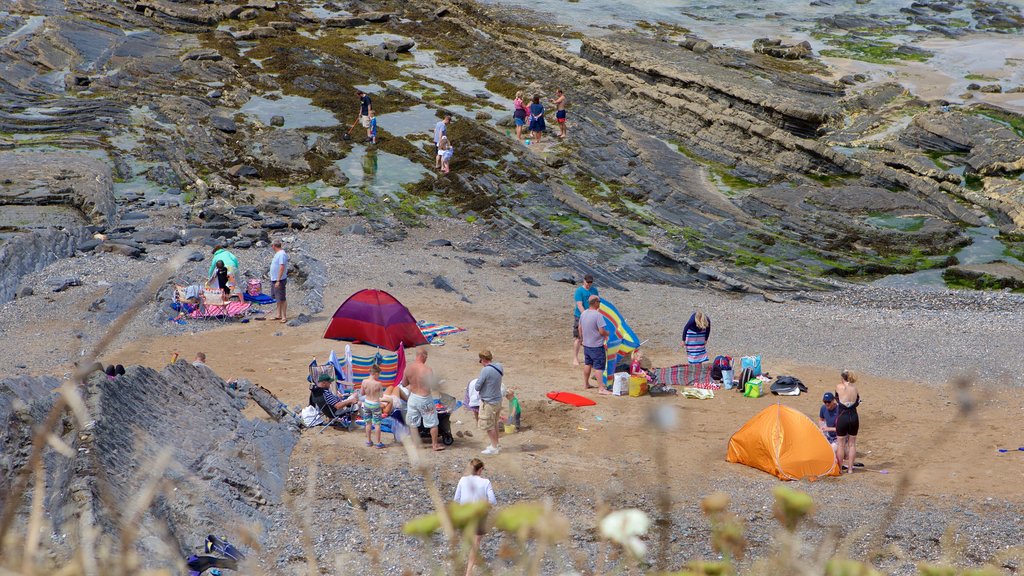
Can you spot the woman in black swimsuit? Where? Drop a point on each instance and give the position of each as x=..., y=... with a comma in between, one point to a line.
x=847, y=423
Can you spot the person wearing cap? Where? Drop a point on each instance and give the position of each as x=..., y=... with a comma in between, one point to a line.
x=328, y=399
x=827, y=419
x=581, y=301
x=489, y=386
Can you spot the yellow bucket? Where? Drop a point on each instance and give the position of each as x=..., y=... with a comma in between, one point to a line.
x=510, y=428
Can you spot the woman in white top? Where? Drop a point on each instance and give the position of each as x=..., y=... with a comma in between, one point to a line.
x=473, y=488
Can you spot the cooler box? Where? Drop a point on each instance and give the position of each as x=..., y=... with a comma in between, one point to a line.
x=637, y=386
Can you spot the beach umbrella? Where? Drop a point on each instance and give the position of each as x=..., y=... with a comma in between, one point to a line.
x=375, y=318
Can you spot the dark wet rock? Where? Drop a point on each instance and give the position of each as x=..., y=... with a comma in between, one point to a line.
x=283, y=25
x=224, y=123
x=243, y=171
x=327, y=147
x=530, y=281
x=344, y=22
x=121, y=248
x=282, y=149
x=530, y=294
x=442, y=12
x=974, y=86
x=509, y=263
x=993, y=276
x=247, y=211
x=156, y=236
x=854, y=22
x=992, y=89
x=248, y=14
x=196, y=256
x=62, y=284
x=277, y=120
x=566, y=277
x=202, y=54
x=697, y=45
x=474, y=262
x=400, y=46
x=257, y=33
x=776, y=49
x=275, y=224
x=88, y=245
x=335, y=176
x=440, y=242
x=25, y=292
x=376, y=17
x=442, y=283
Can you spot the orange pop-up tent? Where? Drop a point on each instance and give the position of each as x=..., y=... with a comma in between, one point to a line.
x=783, y=442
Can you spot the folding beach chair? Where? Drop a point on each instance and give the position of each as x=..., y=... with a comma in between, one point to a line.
x=334, y=417
x=215, y=306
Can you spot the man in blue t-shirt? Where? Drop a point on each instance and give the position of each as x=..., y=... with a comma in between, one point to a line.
x=827, y=418
x=579, y=304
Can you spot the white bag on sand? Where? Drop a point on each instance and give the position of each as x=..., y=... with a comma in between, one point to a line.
x=311, y=417
x=620, y=385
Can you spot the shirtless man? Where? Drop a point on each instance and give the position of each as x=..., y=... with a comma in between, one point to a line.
x=559, y=103
x=373, y=390
x=420, y=407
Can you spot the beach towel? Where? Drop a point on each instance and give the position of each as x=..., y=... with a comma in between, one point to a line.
x=432, y=330
x=571, y=399
x=698, y=393
x=261, y=299
x=695, y=375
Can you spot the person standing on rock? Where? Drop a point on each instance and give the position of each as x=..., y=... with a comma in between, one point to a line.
x=488, y=384
x=580, y=302
x=365, y=107
x=473, y=487
x=279, y=280
x=440, y=131
x=593, y=333
x=420, y=408
x=537, y=125
x=559, y=103
x=373, y=127
x=519, y=114
x=445, y=151
x=695, y=337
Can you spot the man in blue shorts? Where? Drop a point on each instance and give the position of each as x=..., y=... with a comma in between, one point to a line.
x=580, y=301
x=593, y=335
x=559, y=103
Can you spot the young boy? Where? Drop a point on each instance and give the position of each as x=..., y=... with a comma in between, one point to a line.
x=373, y=127
x=372, y=392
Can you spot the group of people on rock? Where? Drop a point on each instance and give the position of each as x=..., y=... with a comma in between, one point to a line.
x=531, y=116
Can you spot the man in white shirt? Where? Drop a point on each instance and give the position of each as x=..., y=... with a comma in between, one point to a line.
x=279, y=280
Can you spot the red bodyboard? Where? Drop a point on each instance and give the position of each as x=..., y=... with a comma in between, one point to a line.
x=571, y=399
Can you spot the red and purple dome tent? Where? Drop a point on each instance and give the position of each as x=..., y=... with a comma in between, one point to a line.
x=375, y=318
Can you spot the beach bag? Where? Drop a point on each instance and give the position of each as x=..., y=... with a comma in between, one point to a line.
x=254, y=287
x=746, y=375
x=637, y=386
x=752, y=362
x=311, y=417
x=620, y=386
x=752, y=389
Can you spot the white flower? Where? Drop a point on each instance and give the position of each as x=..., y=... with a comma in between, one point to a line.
x=625, y=527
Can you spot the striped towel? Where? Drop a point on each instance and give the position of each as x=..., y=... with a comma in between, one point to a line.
x=231, y=309
x=695, y=375
x=431, y=330
x=388, y=367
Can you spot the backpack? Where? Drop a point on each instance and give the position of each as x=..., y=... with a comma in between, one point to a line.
x=720, y=364
x=746, y=375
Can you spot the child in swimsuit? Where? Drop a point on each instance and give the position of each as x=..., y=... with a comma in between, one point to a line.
x=445, y=150
x=373, y=390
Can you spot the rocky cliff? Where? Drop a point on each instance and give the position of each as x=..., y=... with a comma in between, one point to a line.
x=226, y=471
